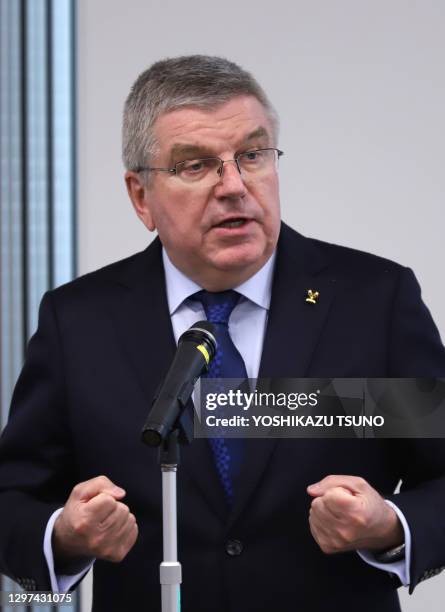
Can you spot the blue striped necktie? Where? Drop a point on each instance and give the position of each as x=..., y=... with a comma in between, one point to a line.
x=227, y=363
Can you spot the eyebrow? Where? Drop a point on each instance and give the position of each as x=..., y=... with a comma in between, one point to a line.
x=260, y=132
x=180, y=151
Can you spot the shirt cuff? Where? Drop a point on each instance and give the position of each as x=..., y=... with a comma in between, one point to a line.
x=62, y=583
x=400, y=568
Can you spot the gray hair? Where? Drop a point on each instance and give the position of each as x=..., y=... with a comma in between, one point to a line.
x=199, y=81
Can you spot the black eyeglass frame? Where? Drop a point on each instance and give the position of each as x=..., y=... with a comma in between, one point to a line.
x=222, y=161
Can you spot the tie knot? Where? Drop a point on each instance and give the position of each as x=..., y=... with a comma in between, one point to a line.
x=218, y=306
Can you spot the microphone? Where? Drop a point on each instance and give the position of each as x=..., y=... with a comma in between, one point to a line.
x=196, y=349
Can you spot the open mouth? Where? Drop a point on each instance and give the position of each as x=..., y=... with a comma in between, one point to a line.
x=232, y=223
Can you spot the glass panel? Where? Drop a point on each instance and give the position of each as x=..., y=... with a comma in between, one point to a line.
x=63, y=141
x=37, y=256
x=11, y=281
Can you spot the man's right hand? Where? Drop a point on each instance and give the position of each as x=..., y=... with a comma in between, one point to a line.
x=94, y=523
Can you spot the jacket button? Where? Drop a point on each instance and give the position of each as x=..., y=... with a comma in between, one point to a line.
x=234, y=548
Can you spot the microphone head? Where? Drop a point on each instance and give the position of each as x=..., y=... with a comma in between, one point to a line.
x=202, y=332
x=196, y=349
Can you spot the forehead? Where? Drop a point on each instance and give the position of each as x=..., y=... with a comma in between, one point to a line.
x=225, y=127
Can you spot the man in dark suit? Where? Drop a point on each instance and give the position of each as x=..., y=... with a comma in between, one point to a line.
x=76, y=484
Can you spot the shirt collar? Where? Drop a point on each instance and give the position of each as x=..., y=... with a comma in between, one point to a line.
x=257, y=288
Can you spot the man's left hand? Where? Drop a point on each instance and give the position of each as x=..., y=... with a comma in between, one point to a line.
x=347, y=513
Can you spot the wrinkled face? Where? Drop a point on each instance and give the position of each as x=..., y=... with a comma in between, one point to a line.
x=220, y=233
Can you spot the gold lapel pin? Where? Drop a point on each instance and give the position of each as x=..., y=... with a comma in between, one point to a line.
x=312, y=296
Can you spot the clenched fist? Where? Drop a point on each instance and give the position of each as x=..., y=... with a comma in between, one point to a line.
x=347, y=513
x=94, y=523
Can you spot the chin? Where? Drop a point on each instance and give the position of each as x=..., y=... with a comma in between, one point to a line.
x=239, y=258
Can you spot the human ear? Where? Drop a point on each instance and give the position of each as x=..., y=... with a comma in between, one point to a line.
x=140, y=197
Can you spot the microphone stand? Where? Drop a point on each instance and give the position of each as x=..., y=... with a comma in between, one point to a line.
x=170, y=424
x=170, y=571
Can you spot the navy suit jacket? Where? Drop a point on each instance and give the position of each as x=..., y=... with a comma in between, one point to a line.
x=104, y=343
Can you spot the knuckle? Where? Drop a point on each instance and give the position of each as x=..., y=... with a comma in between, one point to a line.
x=331, y=479
x=108, y=553
x=335, y=503
x=361, y=482
x=326, y=547
x=120, y=553
x=133, y=540
x=316, y=504
x=80, y=525
x=106, y=501
x=315, y=536
x=102, y=480
x=103, y=526
x=78, y=488
x=336, y=547
x=331, y=494
x=326, y=481
x=122, y=513
x=131, y=536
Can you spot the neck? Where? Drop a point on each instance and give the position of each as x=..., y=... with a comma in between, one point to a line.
x=219, y=279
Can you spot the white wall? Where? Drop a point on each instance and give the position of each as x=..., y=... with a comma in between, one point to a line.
x=360, y=87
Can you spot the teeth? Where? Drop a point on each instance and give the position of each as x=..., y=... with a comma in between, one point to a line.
x=237, y=223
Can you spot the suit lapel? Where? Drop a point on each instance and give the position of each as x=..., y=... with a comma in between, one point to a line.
x=141, y=319
x=292, y=333
x=144, y=330
x=294, y=325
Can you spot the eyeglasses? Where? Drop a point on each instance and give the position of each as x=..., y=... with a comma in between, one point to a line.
x=250, y=163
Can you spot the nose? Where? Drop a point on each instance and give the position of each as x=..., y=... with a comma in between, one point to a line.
x=230, y=184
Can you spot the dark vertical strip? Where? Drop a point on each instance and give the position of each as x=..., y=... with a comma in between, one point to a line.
x=24, y=165
x=73, y=25
x=50, y=152
x=50, y=141
x=74, y=134
x=26, y=86
x=2, y=382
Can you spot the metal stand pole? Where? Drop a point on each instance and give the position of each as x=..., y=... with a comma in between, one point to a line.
x=170, y=423
x=170, y=569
